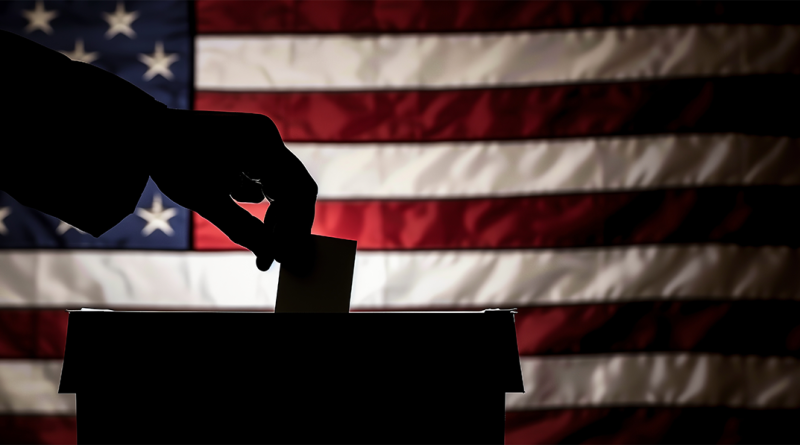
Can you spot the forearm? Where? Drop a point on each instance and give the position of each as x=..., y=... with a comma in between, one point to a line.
x=74, y=136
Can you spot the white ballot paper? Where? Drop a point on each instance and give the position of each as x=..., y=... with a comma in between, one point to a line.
x=327, y=286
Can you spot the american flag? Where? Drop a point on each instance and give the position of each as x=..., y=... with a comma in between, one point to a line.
x=625, y=174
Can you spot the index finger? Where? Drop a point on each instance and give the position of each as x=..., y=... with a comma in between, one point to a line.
x=268, y=160
x=285, y=181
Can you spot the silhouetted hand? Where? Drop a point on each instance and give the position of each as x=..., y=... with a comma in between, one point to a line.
x=241, y=156
x=202, y=160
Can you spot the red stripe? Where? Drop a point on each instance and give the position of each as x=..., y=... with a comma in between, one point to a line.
x=33, y=334
x=764, y=105
x=773, y=329
x=224, y=16
x=742, y=215
x=38, y=429
x=661, y=326
x=638, y=425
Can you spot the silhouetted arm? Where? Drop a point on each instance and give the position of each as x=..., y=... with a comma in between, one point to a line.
x=74, y=137
x=81, y=143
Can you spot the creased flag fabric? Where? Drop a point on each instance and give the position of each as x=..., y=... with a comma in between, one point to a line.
x=625, y=174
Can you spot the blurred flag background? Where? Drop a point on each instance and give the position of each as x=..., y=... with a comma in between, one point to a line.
x=625, y=174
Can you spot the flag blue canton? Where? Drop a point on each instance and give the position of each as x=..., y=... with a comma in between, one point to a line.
x=149, y=44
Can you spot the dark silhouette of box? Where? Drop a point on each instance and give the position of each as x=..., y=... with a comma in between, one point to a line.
x=258, y=377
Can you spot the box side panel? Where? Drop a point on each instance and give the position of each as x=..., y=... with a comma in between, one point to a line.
x=320, y=417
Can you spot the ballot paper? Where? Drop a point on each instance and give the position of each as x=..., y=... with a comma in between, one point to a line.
x=326, y=286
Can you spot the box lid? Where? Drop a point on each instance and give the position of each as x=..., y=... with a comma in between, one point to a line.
x=192, y=351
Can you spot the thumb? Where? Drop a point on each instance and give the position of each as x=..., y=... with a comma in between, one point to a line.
x=289, y=234
x=241, y=227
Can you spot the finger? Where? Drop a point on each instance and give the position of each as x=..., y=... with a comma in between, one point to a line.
x=241, y=227
x=282, y=176
x=292, y=234
x=285, y=181
x=266, y=158
x=263, y=263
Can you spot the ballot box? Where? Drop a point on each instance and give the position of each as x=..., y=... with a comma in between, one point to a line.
x=263, y=377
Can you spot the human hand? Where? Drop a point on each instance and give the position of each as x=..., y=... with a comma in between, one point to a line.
x=241, y=156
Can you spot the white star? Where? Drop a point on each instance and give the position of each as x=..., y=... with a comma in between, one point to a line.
x=39, y=18
x=158, y=63
x=120, y=22
x=4, y=211
x=79, y=54
x=64, y=226
x=156, y=217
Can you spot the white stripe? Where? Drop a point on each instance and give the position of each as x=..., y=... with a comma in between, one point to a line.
x=679, y=380
x=492, y=168
x=384, y=280
x=31, y=386
x=324, y=62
